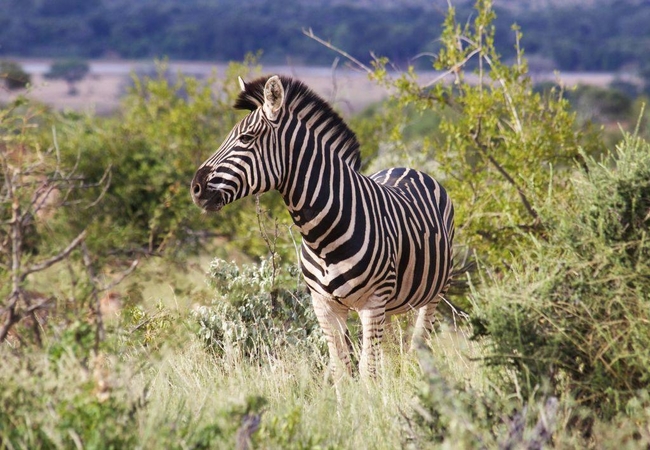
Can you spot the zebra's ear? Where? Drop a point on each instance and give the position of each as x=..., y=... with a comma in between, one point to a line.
x=242, y=84
x=273, y=97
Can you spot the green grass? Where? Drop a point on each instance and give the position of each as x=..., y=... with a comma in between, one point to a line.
x=168, y=391
x=302, y=409
x=159, y=386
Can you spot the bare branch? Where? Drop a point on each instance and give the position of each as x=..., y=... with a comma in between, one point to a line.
x=453, y=70
x=522, y=195
x=122, y=276
x=90, y=272
x=56, y=258
x=40, y=199
x=272, y=246
x=310, y=34
x=107, y=174
x=11, y=317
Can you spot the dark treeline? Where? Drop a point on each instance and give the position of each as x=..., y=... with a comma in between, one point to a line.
x=608, y=36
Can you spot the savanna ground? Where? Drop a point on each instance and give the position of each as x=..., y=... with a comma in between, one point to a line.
x=190, y=350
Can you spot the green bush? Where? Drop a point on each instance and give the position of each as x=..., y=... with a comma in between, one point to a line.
x=575, y=308
x=498, y=141
x=63, y=404
x=450, y=415
x=13, y=75
x=164, y=130
x=70, y=70
x=258, y=309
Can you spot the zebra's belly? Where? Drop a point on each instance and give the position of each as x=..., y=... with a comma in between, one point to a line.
x=400, y=287
x=342, y=282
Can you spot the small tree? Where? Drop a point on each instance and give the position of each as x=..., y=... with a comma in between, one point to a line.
x=70, y=70
x=36, y=192
x=498, y=142
x=13, y=75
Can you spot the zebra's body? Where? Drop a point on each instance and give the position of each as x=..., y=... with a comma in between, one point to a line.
x=379, y=245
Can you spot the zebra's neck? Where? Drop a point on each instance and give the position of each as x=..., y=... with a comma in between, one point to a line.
x=321, y=191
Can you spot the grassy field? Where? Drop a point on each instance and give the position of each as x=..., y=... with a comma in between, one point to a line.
x=156, y=385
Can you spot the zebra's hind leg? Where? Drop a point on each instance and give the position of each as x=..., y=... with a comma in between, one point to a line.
x=332, y=318
x=424, y=323
x=372, y=322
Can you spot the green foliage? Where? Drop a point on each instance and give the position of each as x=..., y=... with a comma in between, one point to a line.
x=13, y=75
x=71, y=70
x=257, y=310
x=165, y=130
x=499, y=140
x=455, y=416
x=34, y=187
x=63, y=405
x=575, y=307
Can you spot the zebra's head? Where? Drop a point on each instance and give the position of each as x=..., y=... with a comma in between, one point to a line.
x=264, y=151
x=244, y=164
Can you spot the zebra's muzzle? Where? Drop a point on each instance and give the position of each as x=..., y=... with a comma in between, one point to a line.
x=203, y=197
x=213, y=201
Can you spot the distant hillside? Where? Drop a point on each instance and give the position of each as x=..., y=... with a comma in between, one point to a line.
x=565, y=34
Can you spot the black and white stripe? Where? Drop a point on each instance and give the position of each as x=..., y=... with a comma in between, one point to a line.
x=379, y=244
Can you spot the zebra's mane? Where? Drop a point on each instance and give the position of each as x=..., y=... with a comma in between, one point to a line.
x=298, y=96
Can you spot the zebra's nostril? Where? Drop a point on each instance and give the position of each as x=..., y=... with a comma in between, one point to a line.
x=196, y=190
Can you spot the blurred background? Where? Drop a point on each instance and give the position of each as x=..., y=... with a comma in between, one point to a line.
x=602, y=43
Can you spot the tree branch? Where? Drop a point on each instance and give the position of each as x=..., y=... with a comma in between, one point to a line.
x=504, y=173
x=310, y=34
x=11, y=318
x=56, y=258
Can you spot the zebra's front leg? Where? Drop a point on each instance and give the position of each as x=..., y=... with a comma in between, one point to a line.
x=424, y=323
x=332, y=317
x=373, y=321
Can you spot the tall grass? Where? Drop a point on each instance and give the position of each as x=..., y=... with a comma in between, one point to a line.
x=166, y=387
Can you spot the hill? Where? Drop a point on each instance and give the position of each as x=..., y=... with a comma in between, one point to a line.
x=601, y=35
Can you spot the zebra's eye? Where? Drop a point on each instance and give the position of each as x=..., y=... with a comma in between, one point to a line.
x=246, y=138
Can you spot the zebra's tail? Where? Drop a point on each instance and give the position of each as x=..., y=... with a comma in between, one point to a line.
x=458, y=285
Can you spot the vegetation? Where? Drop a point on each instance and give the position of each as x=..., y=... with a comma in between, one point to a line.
x=499, y=140
x=13, y=75
x=581, y=295
x=558, y=222
x=254, y=314
x=605, y=35
x=70, y=70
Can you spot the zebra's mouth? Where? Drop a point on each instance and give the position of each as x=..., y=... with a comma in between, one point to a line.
x=213, y=203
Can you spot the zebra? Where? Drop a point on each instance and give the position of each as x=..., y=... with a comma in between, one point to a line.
x=378, y=244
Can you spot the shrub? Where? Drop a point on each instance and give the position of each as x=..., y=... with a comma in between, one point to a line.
x=450, y=415
x=166, y=128
x=575, y=309
x=63, y=404
x=257, y=310
x=70, y=70
x=13, y=75
x=498, y=140
x=34, y=190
